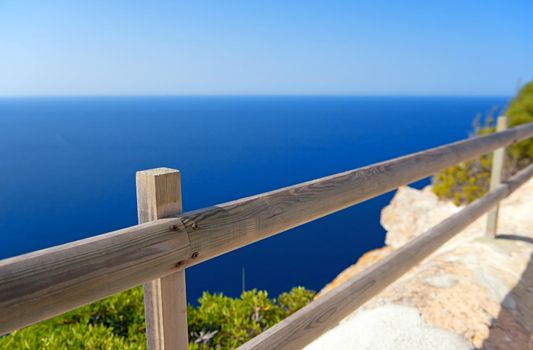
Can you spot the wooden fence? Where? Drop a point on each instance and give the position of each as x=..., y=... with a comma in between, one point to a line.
x=49, y=282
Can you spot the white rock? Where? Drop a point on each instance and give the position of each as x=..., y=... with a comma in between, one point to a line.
x=391, y=327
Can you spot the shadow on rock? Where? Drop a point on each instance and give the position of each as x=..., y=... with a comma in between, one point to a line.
x=513, y=328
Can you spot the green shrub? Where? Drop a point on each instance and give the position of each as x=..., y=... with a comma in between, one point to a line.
x=225, y=323
x=219, y=322
x=470, y=180
x=113, y=323
x=521, y=112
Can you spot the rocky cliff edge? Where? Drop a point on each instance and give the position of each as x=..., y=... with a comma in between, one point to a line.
x=474, y=292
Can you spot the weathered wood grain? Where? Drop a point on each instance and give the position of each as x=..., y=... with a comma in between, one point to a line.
x=165, y=301
x=46, y=283
x=310, y=322
x=498, y=159
x=43, y=284
x=216, y=230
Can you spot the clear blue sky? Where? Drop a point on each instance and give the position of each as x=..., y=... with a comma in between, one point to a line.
x=265, y=47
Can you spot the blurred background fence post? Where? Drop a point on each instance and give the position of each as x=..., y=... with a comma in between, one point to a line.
x=498, y=160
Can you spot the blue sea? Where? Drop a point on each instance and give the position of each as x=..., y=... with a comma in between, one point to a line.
x=67, y=169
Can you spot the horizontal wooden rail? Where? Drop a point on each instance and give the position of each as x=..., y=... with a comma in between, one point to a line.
x=310, y=322
x=42, y=284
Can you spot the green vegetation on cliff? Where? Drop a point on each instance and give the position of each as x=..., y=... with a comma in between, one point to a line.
x=470, y=180
x=117, y=323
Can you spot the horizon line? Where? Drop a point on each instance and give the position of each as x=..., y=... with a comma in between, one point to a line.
x=247, y=95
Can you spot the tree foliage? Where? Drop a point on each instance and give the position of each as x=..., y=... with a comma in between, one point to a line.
x=470, y=180
x=117, y=323
x=225, y=323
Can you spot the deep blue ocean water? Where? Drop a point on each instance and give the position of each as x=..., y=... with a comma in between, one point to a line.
x=67, y=169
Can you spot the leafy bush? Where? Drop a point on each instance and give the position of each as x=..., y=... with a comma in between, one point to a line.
x=111, y=324
x=470, y=180
x=219, y=322
x=225, y=323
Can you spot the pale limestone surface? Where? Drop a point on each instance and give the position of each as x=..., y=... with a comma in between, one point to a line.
x=475, y=288
x=404, y=328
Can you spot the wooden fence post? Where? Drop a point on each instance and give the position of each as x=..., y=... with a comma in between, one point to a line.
x=165, y=304
x=498, y=158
